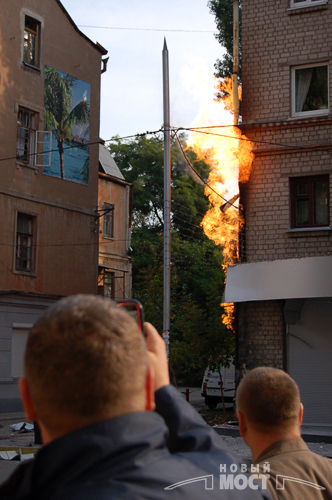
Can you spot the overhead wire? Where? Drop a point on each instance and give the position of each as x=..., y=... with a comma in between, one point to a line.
x=142, y=29
x=200, y=177
x=80, y=146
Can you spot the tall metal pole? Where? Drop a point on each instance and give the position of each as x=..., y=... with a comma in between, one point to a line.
x=167, y=200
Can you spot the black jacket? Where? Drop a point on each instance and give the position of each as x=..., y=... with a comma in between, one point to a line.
x=131, y=457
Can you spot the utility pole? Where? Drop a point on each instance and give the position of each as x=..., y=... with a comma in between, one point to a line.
x=236, y=61
x=167, y=200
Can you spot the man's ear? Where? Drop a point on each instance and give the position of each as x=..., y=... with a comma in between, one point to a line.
x=150, y=404
x=301, y=414
x=242, y=424
x=26, y=399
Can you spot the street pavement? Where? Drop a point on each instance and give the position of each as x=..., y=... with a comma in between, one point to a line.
x=315, y=443
x=10, y=440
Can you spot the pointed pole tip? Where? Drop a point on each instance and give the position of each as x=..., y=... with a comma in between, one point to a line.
x=165, y=44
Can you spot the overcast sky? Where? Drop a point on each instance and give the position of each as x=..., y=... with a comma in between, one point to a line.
x=132, y=87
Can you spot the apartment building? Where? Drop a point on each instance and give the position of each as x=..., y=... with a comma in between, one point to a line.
x=282, y=285
x=49, y=163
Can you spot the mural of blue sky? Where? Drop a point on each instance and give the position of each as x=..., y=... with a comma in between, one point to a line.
x=67, y=116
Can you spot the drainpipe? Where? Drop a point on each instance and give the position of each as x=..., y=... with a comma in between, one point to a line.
x=235, y=60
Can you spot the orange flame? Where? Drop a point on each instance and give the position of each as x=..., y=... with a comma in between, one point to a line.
x=230, y=156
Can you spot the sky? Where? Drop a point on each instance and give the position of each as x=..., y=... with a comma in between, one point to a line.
x=131, y=89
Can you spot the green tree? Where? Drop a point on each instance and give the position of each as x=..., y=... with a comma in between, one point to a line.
x=197, y=277
x=59, y=114
x=223, y=12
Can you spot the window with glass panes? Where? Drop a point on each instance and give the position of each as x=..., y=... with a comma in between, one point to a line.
x=108, y=221
x=309, y=201
x=31, y=41
x=109, y=285
x=26, y=135
x=310, y=90
x=24, y=242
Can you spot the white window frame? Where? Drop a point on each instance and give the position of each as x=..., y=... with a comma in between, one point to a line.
x=43, y=140
x=306, y=3
x=315, y=112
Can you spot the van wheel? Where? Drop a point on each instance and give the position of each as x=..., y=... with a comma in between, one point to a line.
x=211, y=404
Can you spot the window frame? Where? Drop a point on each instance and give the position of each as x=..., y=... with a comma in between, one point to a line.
x=29, y=148
x=309, y=180
x=306, y=3
x=30, y=32
x=315, y=112
x=108, y=219
x=109, y=278
x=32, y=235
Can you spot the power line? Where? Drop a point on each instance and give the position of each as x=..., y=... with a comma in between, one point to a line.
x=85, y=146
x=142, y=29
x=201, y=178
x=197, y=130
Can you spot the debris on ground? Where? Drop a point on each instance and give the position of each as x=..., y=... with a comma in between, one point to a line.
x=22, y=427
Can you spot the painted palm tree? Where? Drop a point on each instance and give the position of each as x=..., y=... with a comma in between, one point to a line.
x=59, y=115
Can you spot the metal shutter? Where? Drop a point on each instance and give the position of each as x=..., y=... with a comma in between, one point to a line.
x=309, y=359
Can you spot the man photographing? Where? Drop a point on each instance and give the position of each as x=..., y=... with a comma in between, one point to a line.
x=92, y=382
x=270, y=415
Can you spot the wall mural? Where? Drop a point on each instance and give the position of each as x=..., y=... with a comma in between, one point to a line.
x=67, y=116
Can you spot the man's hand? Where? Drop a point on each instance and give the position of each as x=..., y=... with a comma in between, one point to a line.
x=157, y=355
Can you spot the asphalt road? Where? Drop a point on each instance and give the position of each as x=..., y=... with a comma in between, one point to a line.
x=10, y=439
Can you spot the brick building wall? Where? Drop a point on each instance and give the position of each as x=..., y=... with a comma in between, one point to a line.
x=276, y=38
x=260, y=327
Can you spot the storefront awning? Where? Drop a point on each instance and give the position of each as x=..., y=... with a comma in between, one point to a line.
x=279, y=279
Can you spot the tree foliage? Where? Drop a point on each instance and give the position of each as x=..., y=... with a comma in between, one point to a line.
x=197, y=277
x=223, y=12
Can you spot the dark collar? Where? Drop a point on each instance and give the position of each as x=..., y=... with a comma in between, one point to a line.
x=283, y=446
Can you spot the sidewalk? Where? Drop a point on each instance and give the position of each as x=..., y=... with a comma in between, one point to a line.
x=319, y=439
x=13, y=441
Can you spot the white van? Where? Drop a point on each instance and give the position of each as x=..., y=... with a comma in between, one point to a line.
x=211, y=386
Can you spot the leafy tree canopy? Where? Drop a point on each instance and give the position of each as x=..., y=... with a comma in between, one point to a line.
x=197, y=277
x=223, y=12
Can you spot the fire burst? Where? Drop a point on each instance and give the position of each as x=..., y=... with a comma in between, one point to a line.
x=229, y=153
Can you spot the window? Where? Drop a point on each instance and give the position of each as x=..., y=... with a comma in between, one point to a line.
x=26, y=135
x=306, y=3
x=31, y=42
x=25, y=242
x=309, y=201
x=108, y=221
x=310, y=96
x=109, y=285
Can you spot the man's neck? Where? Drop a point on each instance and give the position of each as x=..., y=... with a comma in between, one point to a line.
x=261, y=441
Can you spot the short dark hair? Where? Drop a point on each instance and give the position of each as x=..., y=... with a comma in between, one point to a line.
x=85, y=358
x=269, y=398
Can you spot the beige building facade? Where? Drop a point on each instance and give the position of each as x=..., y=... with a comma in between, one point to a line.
x=282, y=285
x=49, y=143
x=115, y=208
